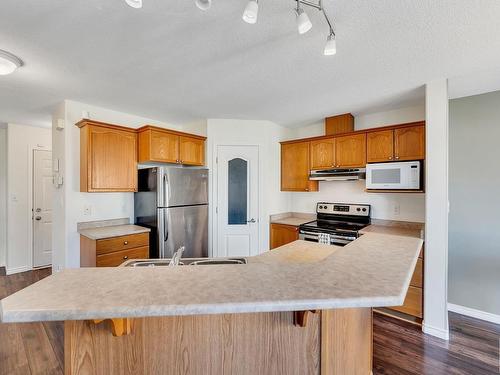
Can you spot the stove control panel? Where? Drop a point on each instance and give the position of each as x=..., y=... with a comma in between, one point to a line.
x=343, y=209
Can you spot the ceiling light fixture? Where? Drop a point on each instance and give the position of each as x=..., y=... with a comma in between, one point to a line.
x=330, y=46
x=304, y=24
x=9, y=63
x=251, y=12
x=203, y=4
x=137, y=4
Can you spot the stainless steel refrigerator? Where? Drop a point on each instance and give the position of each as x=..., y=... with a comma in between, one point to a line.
x=173, y=203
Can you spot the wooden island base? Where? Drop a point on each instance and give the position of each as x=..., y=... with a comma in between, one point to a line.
x=329, y=342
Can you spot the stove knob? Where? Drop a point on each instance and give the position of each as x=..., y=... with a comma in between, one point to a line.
x=358, y=209
x=364, y=209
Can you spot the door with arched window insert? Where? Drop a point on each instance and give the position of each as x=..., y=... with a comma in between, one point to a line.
x=237, y=201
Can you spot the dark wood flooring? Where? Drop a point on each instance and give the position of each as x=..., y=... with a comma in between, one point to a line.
x=399, y=348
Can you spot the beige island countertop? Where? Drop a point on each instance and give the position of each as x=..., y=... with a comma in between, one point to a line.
x=373, y=271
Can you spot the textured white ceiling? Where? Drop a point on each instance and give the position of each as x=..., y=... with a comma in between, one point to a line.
x=172, y=62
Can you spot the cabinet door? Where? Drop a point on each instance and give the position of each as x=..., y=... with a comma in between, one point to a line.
x=409, y=143
x=323, y=153
x=350, y=151
x=164, y=147
x=282, y=234
x=295, y=168
x=112, y=160
x=191, y=151
x=380, y=146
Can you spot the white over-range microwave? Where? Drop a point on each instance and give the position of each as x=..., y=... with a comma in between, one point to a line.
x=394, y=176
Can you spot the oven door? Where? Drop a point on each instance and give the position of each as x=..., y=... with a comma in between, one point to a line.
x=334, y=238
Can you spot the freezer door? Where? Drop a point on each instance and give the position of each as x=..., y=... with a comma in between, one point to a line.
x=183, y=186
x=183, y=226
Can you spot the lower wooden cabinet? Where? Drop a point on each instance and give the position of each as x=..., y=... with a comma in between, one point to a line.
x=414, y=301
x=111, y=252
x=282, y=234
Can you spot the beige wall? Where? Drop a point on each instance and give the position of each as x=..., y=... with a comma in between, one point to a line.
x=3, y=195
x=21, y=140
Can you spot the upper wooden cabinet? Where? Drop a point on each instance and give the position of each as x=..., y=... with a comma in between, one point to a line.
x=350, y=151
x=380, y=146
x=322, y=153
x=169, y=146
x=339, y=124
x=295, y=167
x=409, y=143
x=403, y=143
x=108, y=157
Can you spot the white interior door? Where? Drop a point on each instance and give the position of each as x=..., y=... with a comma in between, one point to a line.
x=42, y=208
x=237, y=201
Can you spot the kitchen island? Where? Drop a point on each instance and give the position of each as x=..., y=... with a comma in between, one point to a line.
x=303, y=308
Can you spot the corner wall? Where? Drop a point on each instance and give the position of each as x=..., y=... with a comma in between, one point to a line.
x=21, y=140
x=72, y=202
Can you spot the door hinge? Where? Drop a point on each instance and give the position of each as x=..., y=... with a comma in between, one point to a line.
x=216, y=210
x=217, y=160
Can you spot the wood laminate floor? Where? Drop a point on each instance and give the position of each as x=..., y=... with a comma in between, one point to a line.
x=399, y=348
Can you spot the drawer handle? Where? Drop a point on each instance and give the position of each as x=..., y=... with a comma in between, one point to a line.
x=125, y=257
x=125, y=242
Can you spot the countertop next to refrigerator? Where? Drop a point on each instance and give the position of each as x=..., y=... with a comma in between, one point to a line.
x=101, y=233
x=102, y=229
x=372, y=271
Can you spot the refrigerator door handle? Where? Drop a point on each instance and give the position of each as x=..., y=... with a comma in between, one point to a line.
x=165, y=226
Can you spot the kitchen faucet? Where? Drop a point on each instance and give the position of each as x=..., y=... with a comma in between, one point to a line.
x=176, y=257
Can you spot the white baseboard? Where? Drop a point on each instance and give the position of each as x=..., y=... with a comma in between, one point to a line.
x=473, y=313
x=436, y=332
x=10, y=271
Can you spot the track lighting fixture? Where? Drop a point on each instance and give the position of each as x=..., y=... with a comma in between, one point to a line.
x=134, y=3
x=203, y=4
x=251, y=12
x=9, y=63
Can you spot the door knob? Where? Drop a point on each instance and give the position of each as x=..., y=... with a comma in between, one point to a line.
x=38, y=210
x=251, y=221
x=38, y=218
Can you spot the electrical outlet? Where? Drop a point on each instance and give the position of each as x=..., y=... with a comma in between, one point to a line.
x=87, y=210
x=397, y=209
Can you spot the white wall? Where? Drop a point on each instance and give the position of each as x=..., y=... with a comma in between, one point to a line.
x=71, y=205
x=436, y=219
x=403, y=207
x=266, y=135
x=3, y=195
x=474, y=236
x=21, y=140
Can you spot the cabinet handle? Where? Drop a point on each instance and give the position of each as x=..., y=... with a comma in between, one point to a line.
x=125, y=257
x=390, y=157
x=307, y=189
x=125, y=242
x=397, y=157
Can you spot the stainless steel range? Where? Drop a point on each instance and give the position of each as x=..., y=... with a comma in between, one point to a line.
x=336, y=223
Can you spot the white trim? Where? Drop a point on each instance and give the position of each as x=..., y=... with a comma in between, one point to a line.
x=10, y=271
x=473, y=313
x=436, y=332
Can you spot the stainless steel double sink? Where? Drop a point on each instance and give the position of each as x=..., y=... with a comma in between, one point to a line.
x=185, y=262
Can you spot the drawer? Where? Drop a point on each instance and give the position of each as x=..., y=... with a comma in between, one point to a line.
x=413, y=303
x=418, y=274
x=118, y=257
x=110, y=245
